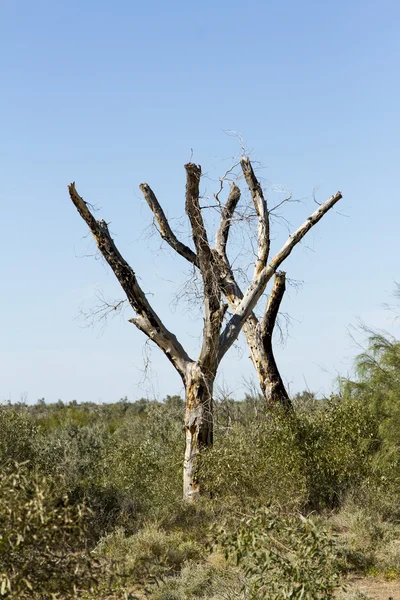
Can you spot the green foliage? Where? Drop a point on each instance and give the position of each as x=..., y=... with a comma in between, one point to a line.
x=283, y=557
x=144, y=460
x=74, y=451
x=149, y=555
x=336, y=443
x=43, y=549
x=206, y=581
x=378, y=387
x=256, y=460
x=75, y=455
x=123, y=461
x=17, y=434
x=378, y=369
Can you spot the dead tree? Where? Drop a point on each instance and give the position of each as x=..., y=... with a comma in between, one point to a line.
x=198, y=376
x=258, y=335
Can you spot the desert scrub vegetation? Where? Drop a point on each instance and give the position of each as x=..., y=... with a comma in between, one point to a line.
x=152, y=554
x=253, y=456
x=43, y=539
x=283, y=556
x=306, y=496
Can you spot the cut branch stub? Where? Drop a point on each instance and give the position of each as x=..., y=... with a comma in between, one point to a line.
x=274, y=302
x=226, y=219
x=260, y=205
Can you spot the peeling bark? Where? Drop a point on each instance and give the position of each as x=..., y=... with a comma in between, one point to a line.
x=257, y=286
x=260, y=205
x=198, y=426
x=209, y=269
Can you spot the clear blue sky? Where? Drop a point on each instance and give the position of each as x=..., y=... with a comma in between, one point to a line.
x=111, y=94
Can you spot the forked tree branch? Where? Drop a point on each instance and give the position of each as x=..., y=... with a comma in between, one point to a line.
x=245, y=303
x=147, y=319
x=257, y=286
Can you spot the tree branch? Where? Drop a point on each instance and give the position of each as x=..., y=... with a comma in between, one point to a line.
x=164, y=227
x=208, y=268
x=274, y=389
x=273, y=305
x=257, y=286
x=226, y=219
x=193, y=211
x=263, y=235
x=147, y=319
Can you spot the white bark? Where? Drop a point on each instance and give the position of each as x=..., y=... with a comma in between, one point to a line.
x=260, y=205
x=257, y=286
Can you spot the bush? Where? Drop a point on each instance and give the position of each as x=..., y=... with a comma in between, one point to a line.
x=337, y=443
x=144, y=461
x=74, y=451
x=75, y=454
x=18, y=432
x=43, y=539
x=283, y=557
x=205, y=581
x=256, y=461
x=149, y=555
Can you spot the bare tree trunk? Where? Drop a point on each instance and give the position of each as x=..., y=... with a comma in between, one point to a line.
x=262, y=357
x=259, y=337
x=198, y=426
x=270, y=379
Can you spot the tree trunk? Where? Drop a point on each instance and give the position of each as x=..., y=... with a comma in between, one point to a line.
x=270, y=379
x=262, y=357
x=198, y=426
x=259, y=337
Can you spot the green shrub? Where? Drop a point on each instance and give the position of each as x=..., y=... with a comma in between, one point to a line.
x=337, y=444
x=43, y=549
x=256, y=461
x=74, y=451
x=283, y=557
x=144, y=461
x=18, y=432
x=149, y=555
x=377, y=388
x=205, y=581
